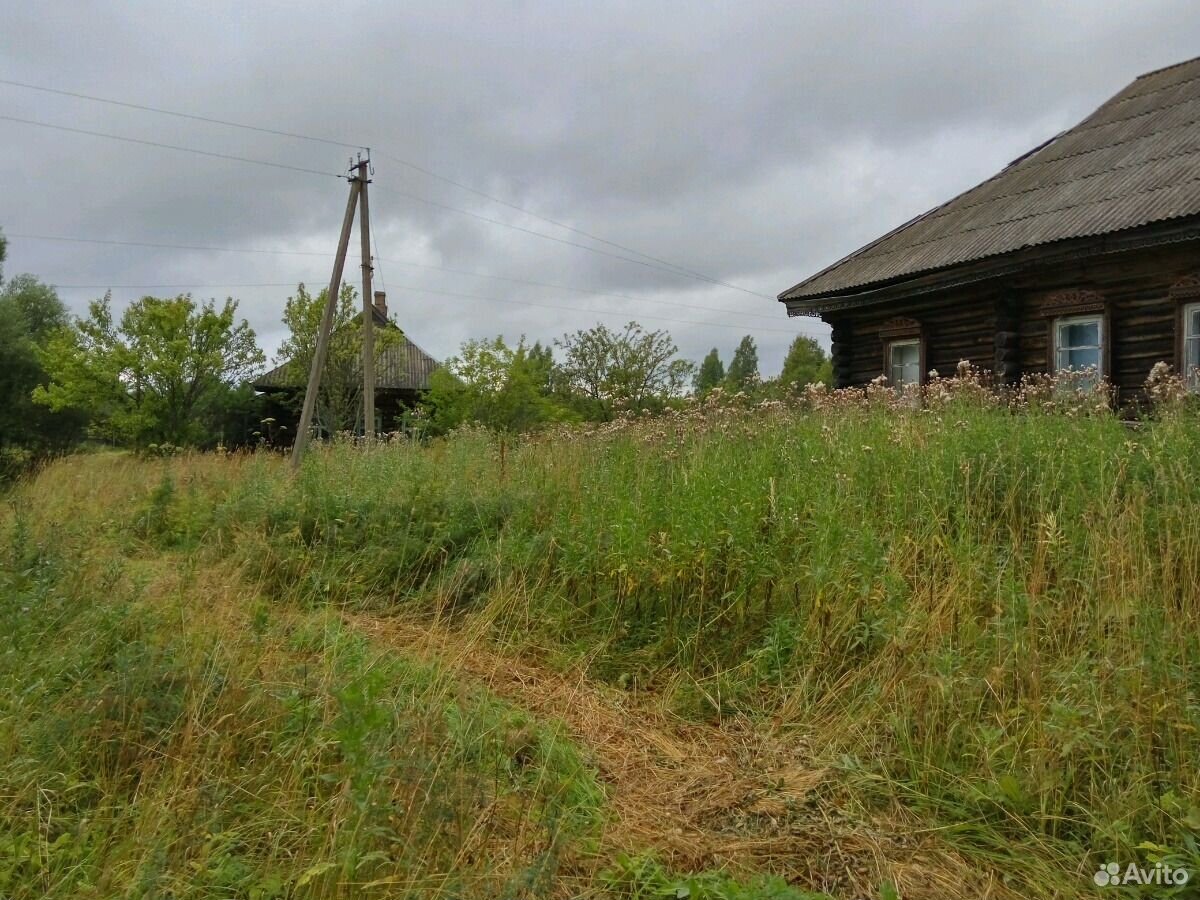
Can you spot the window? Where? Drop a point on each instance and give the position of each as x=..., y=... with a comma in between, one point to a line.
x=1079, y=345
x=1191, y=345
x=904, y=363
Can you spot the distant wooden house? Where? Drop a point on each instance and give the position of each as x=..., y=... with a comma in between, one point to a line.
x=401, y=378
x=1085, y=252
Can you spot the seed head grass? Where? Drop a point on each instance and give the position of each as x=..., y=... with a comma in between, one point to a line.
x=978, y=618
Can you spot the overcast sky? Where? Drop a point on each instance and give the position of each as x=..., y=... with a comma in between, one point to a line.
x=752, y=143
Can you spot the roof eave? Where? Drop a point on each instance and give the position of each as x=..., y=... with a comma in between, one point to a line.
x=1154, y=234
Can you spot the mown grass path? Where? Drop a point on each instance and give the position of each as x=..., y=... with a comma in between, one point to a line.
x=703, y=795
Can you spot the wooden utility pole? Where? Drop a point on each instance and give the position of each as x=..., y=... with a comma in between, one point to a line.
x=368, y=298
x=318, y=363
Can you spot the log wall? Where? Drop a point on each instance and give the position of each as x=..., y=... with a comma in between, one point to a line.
x=1003, y=325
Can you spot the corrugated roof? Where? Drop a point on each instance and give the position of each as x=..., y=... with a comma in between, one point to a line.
x=404, y=366
x=1134, y=161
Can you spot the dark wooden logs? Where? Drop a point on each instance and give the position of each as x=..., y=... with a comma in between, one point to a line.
x=1003, y=325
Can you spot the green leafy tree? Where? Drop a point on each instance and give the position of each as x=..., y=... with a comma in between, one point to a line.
x=490, y=383
x=30, y=312
x=742, y=374
x=541, y=367
x=154, y=376
x=608, y=371
x=711, y=373
x=806, y=363
x=340, y=402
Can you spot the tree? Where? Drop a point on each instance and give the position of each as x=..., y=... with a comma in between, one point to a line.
x=806, y=363
x=505, y=388
x=37, y=305
x=630, y=369
x=158, y=375
x=29, y=313
x=339, y=404
x=541, y=366
x=742, y=374
x=710, y=374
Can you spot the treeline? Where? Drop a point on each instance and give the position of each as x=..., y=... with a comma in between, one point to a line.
x=176, y=372
x=598, y=374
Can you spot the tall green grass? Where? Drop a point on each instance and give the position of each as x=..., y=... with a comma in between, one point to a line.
x=988, y=618
x=149, y=748
x=986, y=621
x=164, y=732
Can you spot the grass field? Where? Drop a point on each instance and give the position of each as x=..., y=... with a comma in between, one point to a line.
x=859, y=650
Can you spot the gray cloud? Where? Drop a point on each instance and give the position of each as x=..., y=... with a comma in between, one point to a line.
x=754, y=142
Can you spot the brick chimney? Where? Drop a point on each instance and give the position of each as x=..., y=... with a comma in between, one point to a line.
x=381, y=303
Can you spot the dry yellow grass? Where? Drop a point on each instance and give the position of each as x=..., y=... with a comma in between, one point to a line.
x=703, y=796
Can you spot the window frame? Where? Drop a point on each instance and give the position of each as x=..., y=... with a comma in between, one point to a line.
x=1190, y=378
x=1101, y=320
x=912, y=341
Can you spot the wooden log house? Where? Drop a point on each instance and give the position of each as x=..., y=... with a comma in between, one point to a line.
x=1084, y=253
x=402, y=375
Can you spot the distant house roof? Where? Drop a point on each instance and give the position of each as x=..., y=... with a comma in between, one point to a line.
x=1133, y=162
x=402, y=367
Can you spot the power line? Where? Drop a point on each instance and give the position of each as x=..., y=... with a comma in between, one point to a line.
x=129, y=140
x=743, y=328
x=580, y=290
x=449, y=269
x=138, y=287
x=377, y=260
x=658, y=263
x=406, y=194
x=161, y=246
x=569, y=243
x=442, y=293
x=555, y=222
x=179, y=115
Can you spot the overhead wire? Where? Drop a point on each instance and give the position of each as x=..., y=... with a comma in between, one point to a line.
x=581, y=290
x=494, y=199
x=163, y=246
x=179, y=115
x=647, y=260
x=190, y=287
x=400, y=262
x=146, y=143
x=455, y=294
x=558, y=240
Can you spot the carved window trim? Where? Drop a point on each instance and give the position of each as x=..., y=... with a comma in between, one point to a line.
x=900, y=327
x=1186, y=289
x=1073, y=302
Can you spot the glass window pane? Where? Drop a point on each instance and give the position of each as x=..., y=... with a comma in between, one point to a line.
x=1191, y=346
x=905, y=363
x=1191, y=358
x=1083, y=358
x=1081, y=334
x=1077, y=344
